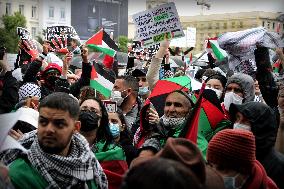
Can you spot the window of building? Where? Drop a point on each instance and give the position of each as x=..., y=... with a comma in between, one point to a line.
x=62, y=13
x=241, y=24
x=33, y=32
x=217, y=25
x=273, y=25
x=51, y=12
x=263, y=23
x=233, y=24
x=268, y=25
x=8, y=8
x=33, y=11
x=21, y=9
x=225, y=25
x=209, y=26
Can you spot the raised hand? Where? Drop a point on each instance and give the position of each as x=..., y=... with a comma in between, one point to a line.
x=30, y=47
x=84, y=54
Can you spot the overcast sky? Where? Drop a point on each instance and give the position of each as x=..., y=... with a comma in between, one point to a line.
x=189, y=7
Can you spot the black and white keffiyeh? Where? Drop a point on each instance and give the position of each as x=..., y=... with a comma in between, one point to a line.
x=64, y=172
x=240, y=45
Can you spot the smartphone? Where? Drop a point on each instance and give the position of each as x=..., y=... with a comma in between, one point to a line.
x=110, y=106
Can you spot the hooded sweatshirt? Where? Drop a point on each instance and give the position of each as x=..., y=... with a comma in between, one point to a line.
x=264, y=127
x=246, y=83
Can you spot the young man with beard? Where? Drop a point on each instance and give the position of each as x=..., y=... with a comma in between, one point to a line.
x=58, y=156
x=177, y=109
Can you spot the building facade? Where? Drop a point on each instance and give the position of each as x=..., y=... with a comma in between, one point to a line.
x=154, y=3
x=89, y=16
x=39, y=13
x=213, y=25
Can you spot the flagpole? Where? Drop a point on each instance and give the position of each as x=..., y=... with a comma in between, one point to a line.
x=203, y=53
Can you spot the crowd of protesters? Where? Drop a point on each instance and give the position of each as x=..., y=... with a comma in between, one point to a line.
x=73, y=141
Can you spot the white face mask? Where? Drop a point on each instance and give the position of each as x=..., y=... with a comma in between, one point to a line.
x=116, y=96
x=143, y=90
x=218, y=92
x=230, y=98
x=242, y=126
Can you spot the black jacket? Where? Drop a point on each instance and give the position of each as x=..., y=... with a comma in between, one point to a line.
x=10, y=96
x=267, y=84
x=264, y=127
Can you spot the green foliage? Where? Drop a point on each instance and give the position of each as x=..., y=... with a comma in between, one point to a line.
x=8, y=34
x=122, y=43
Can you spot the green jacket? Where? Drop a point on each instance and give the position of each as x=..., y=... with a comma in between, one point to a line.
x=24, y=176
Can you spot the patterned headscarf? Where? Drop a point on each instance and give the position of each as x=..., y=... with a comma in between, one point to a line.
x=29, y=89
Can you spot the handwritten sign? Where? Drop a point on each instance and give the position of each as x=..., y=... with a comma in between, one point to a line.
x=61, y=31
x=191, y=37
x=60, y=38
x=152, y=26
x=23, y=33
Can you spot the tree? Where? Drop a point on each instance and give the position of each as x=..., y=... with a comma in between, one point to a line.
x=8, y=34
x=122, y=43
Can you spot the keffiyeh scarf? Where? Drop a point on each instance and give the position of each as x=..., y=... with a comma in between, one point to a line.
x=240, y=45
x=63, y=172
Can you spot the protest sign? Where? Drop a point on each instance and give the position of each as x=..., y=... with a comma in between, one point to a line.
x=189, y=40
x=179, y=42
x=60, y=38
x=11, y=59
x=153, y=25
x=62, y=31
x=23, y=33
x=29, y=45
x=190, y=36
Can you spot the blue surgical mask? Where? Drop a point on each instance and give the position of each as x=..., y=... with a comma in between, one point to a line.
x=143, y=90
x=114, y=129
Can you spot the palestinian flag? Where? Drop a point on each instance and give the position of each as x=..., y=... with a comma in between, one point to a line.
x=277, y=66
x=101, y=80
x=102, y=42
x=191, y=130
x=113, y=162
x=212, y=118
x=213, y=47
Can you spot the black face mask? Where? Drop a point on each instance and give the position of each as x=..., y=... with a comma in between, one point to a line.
x=51, y=80
x=89, y=121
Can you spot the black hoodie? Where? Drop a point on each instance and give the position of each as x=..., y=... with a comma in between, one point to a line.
x=264, y=126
